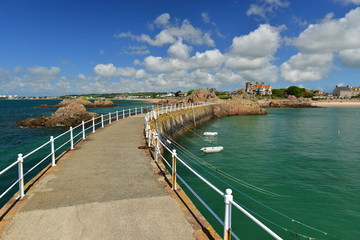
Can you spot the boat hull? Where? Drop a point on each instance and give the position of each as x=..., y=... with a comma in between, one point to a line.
x=212, y=149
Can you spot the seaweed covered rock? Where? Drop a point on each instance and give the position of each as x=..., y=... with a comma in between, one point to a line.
x=69, y=115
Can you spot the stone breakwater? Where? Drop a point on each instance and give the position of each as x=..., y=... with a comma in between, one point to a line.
x=286, y=104
x=176, y=123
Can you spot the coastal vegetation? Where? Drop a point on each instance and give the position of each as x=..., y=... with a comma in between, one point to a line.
x=116, y=95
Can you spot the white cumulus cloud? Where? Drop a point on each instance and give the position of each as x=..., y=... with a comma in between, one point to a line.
x=331, y=34
x=307, y=67
x=179, y=50
x=44, y=71
x=241, y=63
x=266, y=8
x=171, y=32
x=263, y=41
x=350, y=58
x=208, y=59
x=162, y=20
x=347, y=2
x=109, y=70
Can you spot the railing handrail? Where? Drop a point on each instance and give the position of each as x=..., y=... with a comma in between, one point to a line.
x=110, y=116
x=228, y=198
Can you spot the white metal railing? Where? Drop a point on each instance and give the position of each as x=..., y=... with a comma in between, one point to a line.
x=155, y=141
x=83, y=129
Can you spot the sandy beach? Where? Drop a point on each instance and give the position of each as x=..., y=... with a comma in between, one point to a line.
x=336, y=104
x=151, y=100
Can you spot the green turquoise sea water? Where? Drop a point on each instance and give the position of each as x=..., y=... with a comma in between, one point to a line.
x=15, y=140
x=292, y=164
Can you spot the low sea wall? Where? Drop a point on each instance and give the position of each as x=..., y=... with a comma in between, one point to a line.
x=176, y=123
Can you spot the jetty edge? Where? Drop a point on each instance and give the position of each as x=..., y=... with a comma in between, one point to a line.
x=175, y=123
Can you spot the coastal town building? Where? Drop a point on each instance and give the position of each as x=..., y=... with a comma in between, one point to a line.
x=237, y=92
x=256, y=88
x=346, y=92
x=320, y=93
x=181, y=94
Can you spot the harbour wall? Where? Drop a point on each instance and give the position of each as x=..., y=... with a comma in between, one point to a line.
x=176, y=123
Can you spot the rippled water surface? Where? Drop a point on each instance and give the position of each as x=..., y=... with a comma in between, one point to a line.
x=292, y=164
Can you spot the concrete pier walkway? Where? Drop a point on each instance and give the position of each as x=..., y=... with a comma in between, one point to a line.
x=103, y=189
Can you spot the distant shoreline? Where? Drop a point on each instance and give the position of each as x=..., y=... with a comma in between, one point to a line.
x=152, y=100
x=336, y=104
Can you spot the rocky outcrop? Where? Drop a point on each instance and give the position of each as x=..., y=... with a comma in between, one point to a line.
x=70, y=115
x=198, y=95
x=286, y=104
x=169, y=101
x=201, y=95
x=105, y=103
x=81, y=100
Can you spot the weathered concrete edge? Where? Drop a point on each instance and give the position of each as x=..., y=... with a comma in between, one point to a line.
x=202, y=228
x=174, y=124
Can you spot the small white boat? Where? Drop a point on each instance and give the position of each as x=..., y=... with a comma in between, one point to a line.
x=210, y=133
x=212, y=149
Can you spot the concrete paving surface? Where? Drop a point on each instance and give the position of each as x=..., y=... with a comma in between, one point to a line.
x=104, y=189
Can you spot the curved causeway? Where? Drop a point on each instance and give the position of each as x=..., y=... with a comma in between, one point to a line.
x=103, y=189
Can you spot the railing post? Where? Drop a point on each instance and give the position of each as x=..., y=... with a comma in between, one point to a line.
x=142, y=110
x=117, y=115
x=156, y=147
x=149, y=139
x=147, y=127
x=21, y=175
x=109, y=117
x=102, y=120
x=135, y=110
x=83, y=129
x=227, y=220
x=123, y=113
x=174, y=158
x=93, y=122
x=71, y=138
x=129, y=112
x=52, y=151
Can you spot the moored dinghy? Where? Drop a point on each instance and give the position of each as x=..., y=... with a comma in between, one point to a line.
x=210, y=133
x=212, y=149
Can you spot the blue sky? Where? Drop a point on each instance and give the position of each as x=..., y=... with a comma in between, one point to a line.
x=67, y=47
